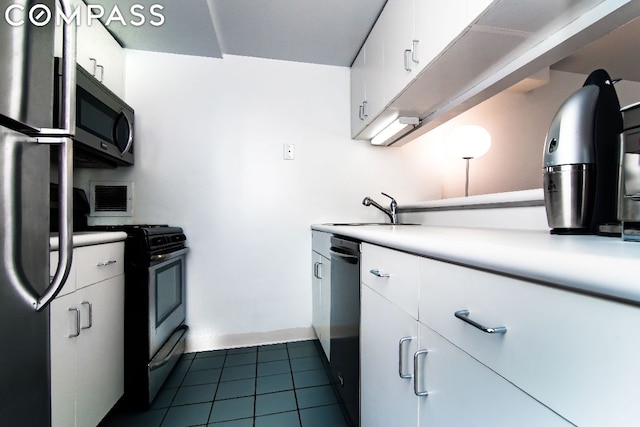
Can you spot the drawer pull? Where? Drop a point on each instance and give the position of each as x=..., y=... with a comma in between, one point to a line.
x=417, y=373
x=402, y=357
x=464, y=316
x=379, y=273
x=105, y=263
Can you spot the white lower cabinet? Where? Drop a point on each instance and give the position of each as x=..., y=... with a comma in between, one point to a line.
x=385, y=398
x=577, y=354
x=463, y=392
x=321, y=288
x=87, y=346
x=413, y=376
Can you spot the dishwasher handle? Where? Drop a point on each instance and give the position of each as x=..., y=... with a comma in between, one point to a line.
x=343, y=253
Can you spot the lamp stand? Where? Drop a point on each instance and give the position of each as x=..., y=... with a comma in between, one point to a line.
x=466, y=182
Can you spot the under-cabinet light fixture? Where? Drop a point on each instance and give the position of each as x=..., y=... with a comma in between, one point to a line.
x=395, y=130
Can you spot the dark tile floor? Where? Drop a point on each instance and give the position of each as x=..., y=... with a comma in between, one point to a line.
x=279, y=385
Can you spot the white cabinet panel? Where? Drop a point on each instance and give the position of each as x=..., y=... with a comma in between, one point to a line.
x=98, y=262
x=87, y=340
x=99, y=374
x=393, y=274
x=463, y=392
x=374, y=74
x=572, y=352
x=321, y=295
x=63, y=326
x=385, y=398
x=358, y=92
x=396, y=21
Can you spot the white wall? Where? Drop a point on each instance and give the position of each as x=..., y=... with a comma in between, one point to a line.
x=209, y=158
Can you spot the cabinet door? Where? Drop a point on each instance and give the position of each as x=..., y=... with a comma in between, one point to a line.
x=397, y=24
x=374, y=74
x=110, y=56
x=463, y=392
x=385, y=398
x=63, y=343
x=358, y=93
x=100, y=364
x=571, y=352
x=321, y=294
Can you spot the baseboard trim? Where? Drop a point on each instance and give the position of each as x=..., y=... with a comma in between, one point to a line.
x=219, y=342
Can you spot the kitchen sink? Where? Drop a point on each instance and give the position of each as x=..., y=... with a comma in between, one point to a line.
x=363, y=223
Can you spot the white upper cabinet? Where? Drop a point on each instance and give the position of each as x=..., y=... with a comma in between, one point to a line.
x=367, y=82
x=441, y=58
x=97, y=51
x=407, y=36
x=396, y=21
x=358, y=92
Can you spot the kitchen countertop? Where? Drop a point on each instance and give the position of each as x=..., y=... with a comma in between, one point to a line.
x=88, y=238
x=604, y=266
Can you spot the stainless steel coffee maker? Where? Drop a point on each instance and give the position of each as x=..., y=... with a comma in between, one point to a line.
x=629, y=174
x=580, y=161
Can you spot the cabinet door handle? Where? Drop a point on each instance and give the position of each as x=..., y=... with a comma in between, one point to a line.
x=361, y=112
x=364, y=110
x=101, y=67
x=88, y=304
x=94, y=61
x=77, y=333
x=464, y=316
x=417, y=373
x=402, y=357
x=379, y=273
x=317, y=270
x=414, y=51
x=105, y=263
x=407, y=60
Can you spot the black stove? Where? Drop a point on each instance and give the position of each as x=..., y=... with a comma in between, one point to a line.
x=155, y=306
x=147, y=240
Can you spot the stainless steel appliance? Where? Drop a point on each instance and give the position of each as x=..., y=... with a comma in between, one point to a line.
x=344, y=329
x=26, y=121
x=580, y=158
x=104, y=128
x=155, y=308
x=629, y=174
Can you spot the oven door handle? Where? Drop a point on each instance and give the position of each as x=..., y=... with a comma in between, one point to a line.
x=164, y=257
x=168, y=353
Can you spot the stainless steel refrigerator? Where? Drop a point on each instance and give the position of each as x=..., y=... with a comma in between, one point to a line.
x=27, y=134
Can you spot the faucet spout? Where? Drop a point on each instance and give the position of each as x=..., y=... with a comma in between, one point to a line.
x=390, y=212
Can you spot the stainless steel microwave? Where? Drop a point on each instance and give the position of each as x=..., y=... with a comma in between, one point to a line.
x=104, y=125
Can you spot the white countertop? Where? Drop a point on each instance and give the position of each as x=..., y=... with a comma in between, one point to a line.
x=604, y=266
x=88, y=238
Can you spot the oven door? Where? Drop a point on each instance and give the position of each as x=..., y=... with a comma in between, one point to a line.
x=167, y=308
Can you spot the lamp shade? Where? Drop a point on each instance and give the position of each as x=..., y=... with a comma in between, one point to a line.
x=469, y=142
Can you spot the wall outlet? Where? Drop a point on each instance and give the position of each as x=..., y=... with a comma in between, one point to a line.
x=289, y=151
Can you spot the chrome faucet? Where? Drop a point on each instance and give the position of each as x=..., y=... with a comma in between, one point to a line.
x=391, y=212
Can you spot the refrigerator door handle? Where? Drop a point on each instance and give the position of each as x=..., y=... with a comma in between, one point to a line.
x=68, y=107
x=65, y=223
x=62, y=136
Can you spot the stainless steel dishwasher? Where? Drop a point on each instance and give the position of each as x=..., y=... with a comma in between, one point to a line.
x=345, y=324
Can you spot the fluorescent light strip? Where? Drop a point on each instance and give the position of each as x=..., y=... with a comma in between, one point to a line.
x=396, y=129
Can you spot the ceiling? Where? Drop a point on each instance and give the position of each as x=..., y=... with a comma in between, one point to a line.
x=328, y=32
